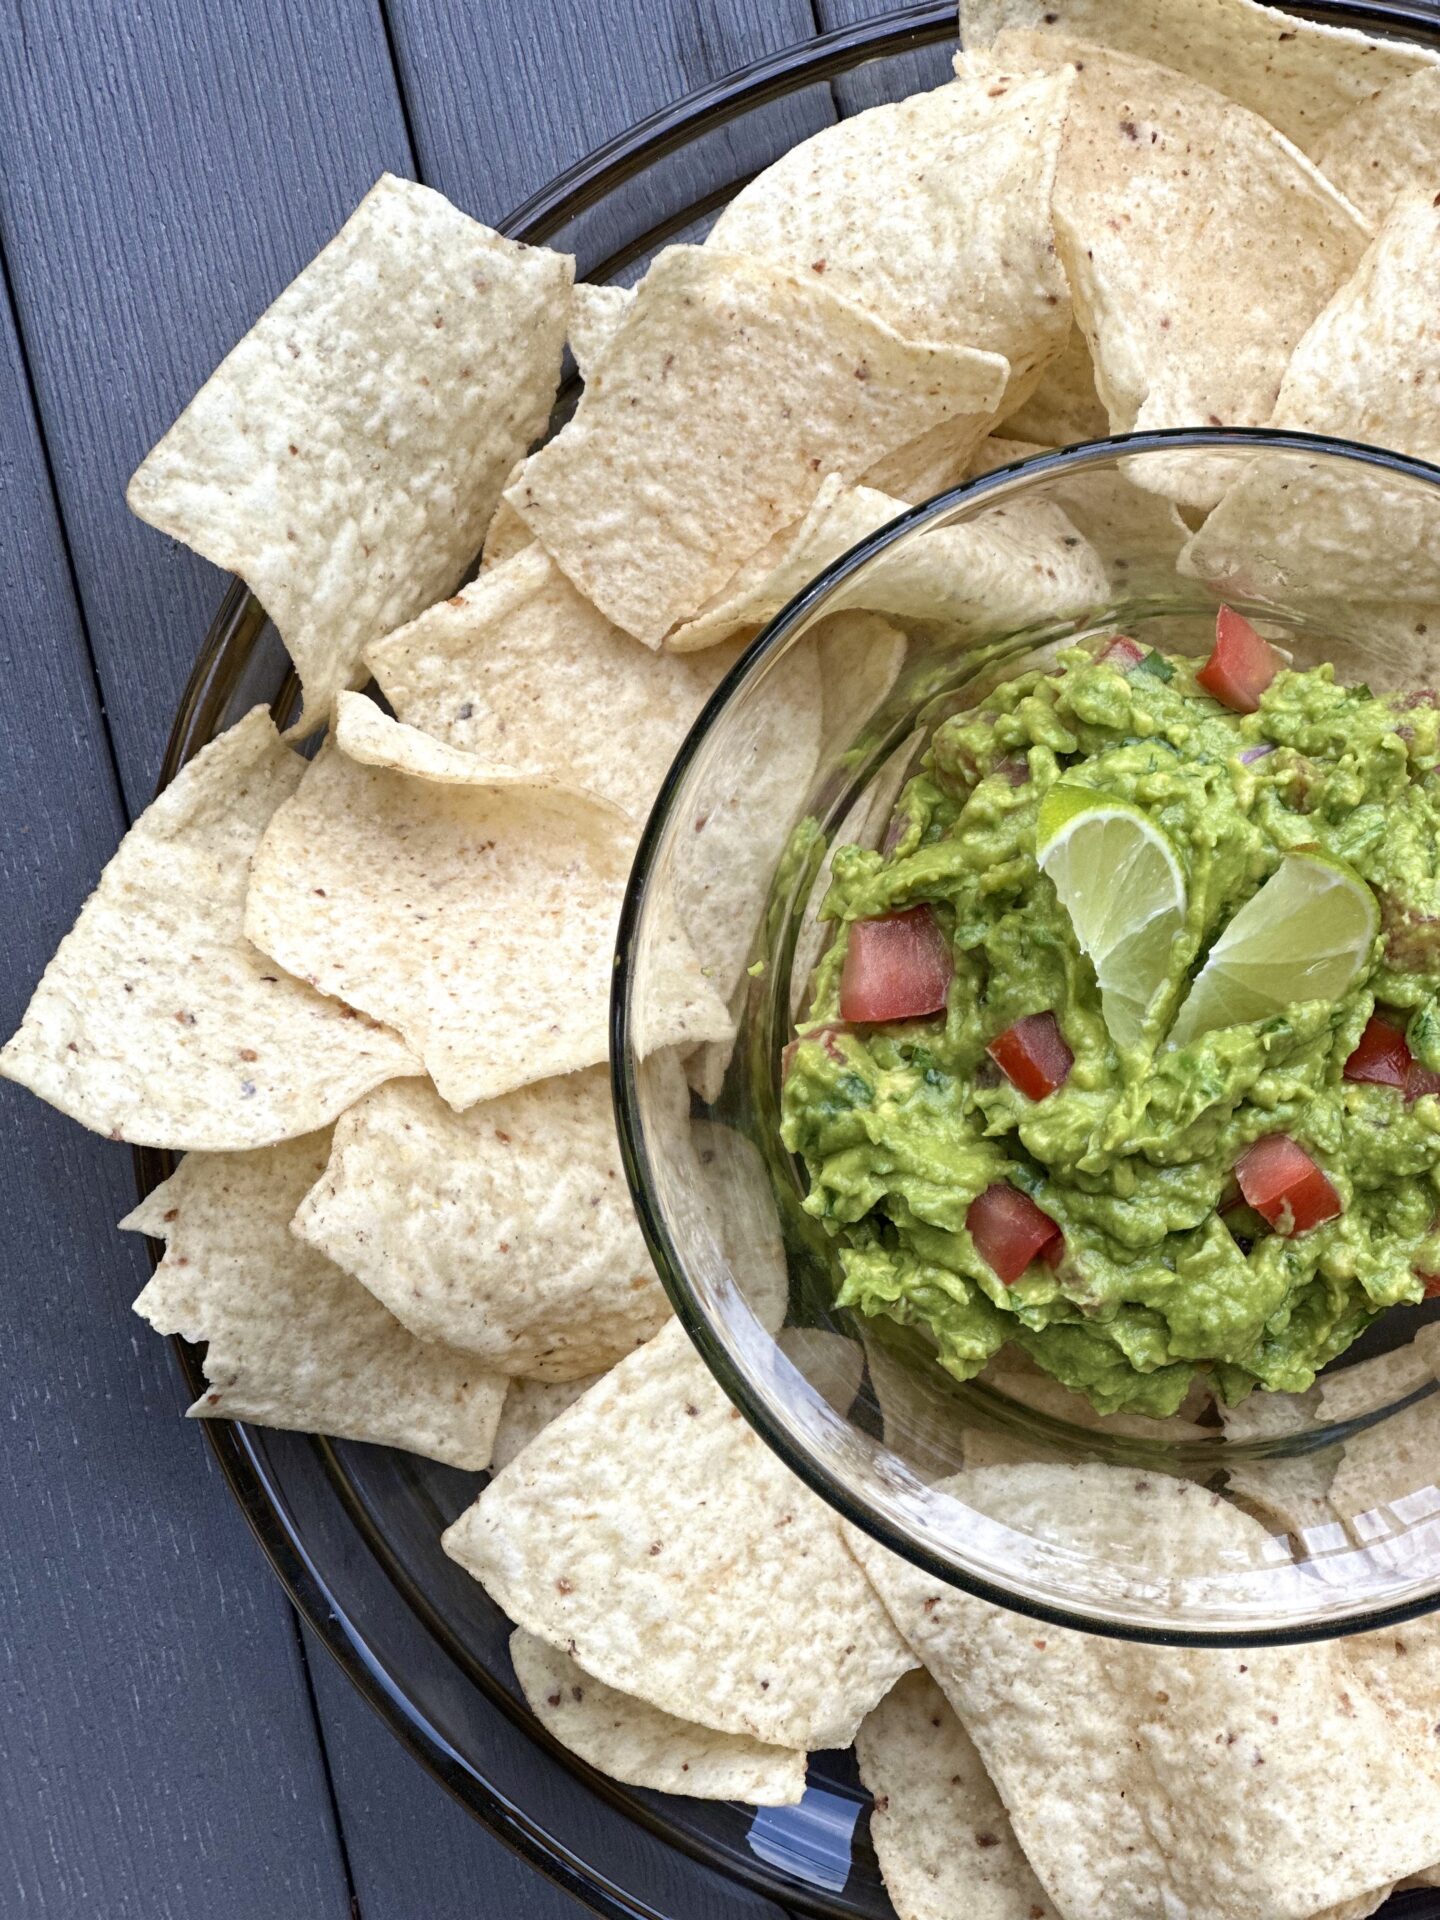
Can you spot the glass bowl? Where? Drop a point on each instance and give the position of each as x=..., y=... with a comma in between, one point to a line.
x=353, y=1531
x=1334, y=551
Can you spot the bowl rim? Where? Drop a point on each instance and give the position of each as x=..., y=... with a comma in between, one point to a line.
x=747, y=1393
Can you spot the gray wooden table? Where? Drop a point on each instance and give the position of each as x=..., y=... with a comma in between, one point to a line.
x=169, y=1741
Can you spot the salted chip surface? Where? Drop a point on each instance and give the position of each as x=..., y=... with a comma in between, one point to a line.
x=1012, y=564
x=637, y=1743
x=157, y=1021
x=1130, y=1771
x=1300, y=75
x=1387, y=145
x=651, y=1534
x=932, y=213
x=476, y=908
x=940, y=1830
x=505, y=1230
x=729, y=391
x=293, y=1341
x=1064, y=408
x=530, y=1406
x=1366, y=370
x=345, y=457
x=722, y=872
x=595, y=316
x=1170, y=200
x=521, y=670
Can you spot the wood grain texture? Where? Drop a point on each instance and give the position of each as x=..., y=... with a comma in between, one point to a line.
x=447, y=1867
x=889, y=79
x=168, y=167
x=502, y=97
x=157, y=1752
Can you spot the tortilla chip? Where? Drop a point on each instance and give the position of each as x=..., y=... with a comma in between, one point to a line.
x=520, y=670
x=1388, y=145
x=506, y=1230
x=731, y=1187
x=727, y=856
x=476, y=908
x=1366, y=370
x=1136, y=536
x=920, y=1422
x=157, y=1021
x=859, y=656
x=1301, y=76
x=530, y=1406
x=1065, y=408
x=293, y=1341
x=506, y=534
x=651, y=1534
x=932, y=213
x=1130, y=1771
x=1012, y=564
x=937, y=461
x=1367, y=1386
x=833, y=1363
x=1288, y=1492
x=1388, y=1479
x=630, y=1741
x=1401, y=1667
x=595, y=317
x=345, y=457
x=839, y=517
x=996, y=450
x=940, y=1830
x=728, y=393
x=1198, y=243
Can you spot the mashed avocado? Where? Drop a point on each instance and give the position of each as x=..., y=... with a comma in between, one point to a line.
x=902, y=1126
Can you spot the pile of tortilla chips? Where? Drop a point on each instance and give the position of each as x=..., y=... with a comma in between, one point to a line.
x=364, y=993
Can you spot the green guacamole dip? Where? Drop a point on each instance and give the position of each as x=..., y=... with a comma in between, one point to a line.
x=901, y=1126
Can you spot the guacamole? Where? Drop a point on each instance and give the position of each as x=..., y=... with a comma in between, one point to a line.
x=934, y=1145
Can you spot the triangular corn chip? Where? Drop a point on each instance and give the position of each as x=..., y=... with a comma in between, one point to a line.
x=652, y=1535
x=345, y=457
x=293, y=1341
x=507, y=668
x=730, y=390
x=157, y=1021
x=631, y=1741
x=506, y=1230
x=932, y=213
x=477, y=908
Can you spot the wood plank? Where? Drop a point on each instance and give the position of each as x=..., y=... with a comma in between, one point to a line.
x=158, y=1757
x=888, y=79
x=413, y=1850
x=168, y=168
x=502, y=98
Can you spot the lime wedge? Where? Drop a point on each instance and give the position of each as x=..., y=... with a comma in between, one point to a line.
x=1306, y=935
x=1119, y=880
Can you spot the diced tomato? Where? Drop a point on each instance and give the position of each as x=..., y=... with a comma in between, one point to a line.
x=1033, y=1055
x=1054, y=1253
x=1009, y=1230
x=1242, y=665
x=1432, y=1283
x=1122, y=654
x=1381, y=1057
x=896, y=968
x=1285, y=1186
x=1420, y=1080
